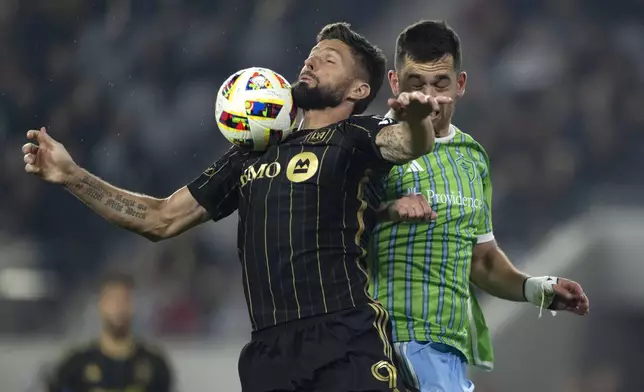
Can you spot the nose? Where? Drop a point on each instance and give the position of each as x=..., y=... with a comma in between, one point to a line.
x=310, y=63
x=428, y=89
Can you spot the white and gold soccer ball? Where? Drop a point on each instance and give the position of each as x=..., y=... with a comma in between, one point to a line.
x=254, y=108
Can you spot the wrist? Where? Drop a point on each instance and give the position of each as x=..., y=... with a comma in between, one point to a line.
x=71, y=175
x=539, y=291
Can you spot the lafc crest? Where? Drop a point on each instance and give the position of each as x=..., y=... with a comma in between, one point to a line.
x=93, y=373
x=317, y=136
x=143, y=371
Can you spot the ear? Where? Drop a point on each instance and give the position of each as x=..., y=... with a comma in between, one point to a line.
x=359, y=91
x=461, y=82
x=393, y=82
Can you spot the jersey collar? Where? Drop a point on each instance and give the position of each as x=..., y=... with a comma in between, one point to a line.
x=444, y=139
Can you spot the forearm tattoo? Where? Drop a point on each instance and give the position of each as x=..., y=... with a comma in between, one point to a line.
x=116, y=202
x=393, y=147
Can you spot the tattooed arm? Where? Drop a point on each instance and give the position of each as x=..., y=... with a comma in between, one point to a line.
x=403, y=142
x=413, y=136
x=152, y=218
x=212, y=195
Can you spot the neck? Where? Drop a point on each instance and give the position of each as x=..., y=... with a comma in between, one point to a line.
x=117, y=347
x=314, y=119
x=442, y=130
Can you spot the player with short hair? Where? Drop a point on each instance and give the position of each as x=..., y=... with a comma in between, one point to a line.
x=116, y=361
x=422, y=270
x=306, y=210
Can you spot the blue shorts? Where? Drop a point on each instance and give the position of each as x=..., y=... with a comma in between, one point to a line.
x=432, y=367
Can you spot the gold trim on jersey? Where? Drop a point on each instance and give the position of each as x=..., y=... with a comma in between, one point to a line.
x=317, y=230
x=360, y=231
x=245, y=262
x=290, y=241
x=268, y=268
x=380, y=323
x=390, y=376
x=344, y=227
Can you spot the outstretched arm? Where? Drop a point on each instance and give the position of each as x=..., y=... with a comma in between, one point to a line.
x=413, y=136
x=493, y=272
x=152, y=218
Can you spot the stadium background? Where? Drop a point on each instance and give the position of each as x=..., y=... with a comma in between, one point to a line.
x=555, y=94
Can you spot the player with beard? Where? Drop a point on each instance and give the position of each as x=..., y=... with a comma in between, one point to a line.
x=306, y=210
x=117, y=361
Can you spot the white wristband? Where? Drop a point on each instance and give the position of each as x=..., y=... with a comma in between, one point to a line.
x=539, y=291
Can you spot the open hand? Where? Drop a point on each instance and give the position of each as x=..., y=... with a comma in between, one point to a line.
x=416, y=106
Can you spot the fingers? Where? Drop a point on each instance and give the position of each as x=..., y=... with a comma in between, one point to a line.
x=30, y=159
x=584, y=306
x=394, y=104
x=33, y=135
x=417, y=212
x=414, y=208
x=571, y=297
x=40, y=136
x=403, y=213
x=405, y=99
x=427, y=211
x=32, y=169
x=428, y=214
x=443, y=100
x=562, y=292
x=30, y=148
x=572, y=287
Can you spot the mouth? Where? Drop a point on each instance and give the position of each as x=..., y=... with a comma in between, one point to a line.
x=307, y=78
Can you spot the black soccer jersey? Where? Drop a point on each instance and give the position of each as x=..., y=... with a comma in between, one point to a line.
x=88, y=369
x=306, y=211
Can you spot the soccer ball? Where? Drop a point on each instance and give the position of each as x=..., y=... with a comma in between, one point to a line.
x=254, y=108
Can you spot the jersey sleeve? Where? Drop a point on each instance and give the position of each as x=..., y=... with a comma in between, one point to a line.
x=484, y=231
x=217, y=188
x=363, y=131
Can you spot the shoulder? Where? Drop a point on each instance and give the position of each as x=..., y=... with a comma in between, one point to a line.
x=77, y=353
x=365, y=127
x=369, y=121
x=152, y=351
x=468, y=141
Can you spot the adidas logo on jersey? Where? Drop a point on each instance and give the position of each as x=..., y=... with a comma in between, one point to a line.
x=414, y=167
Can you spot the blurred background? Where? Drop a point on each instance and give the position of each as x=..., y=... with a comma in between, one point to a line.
x=555, y=94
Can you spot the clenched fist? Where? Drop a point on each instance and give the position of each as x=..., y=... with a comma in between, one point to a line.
x=411, y=208
x=46, y=158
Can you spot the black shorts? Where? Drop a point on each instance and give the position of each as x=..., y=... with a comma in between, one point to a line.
x=343, y=351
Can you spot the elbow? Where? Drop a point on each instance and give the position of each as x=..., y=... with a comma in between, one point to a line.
x=153, y=237
x=159, y=225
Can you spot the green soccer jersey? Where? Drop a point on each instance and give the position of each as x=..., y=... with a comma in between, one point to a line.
x=420, y=272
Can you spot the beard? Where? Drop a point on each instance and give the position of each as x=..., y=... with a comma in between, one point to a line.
x=306, y=97
x=116, y=331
